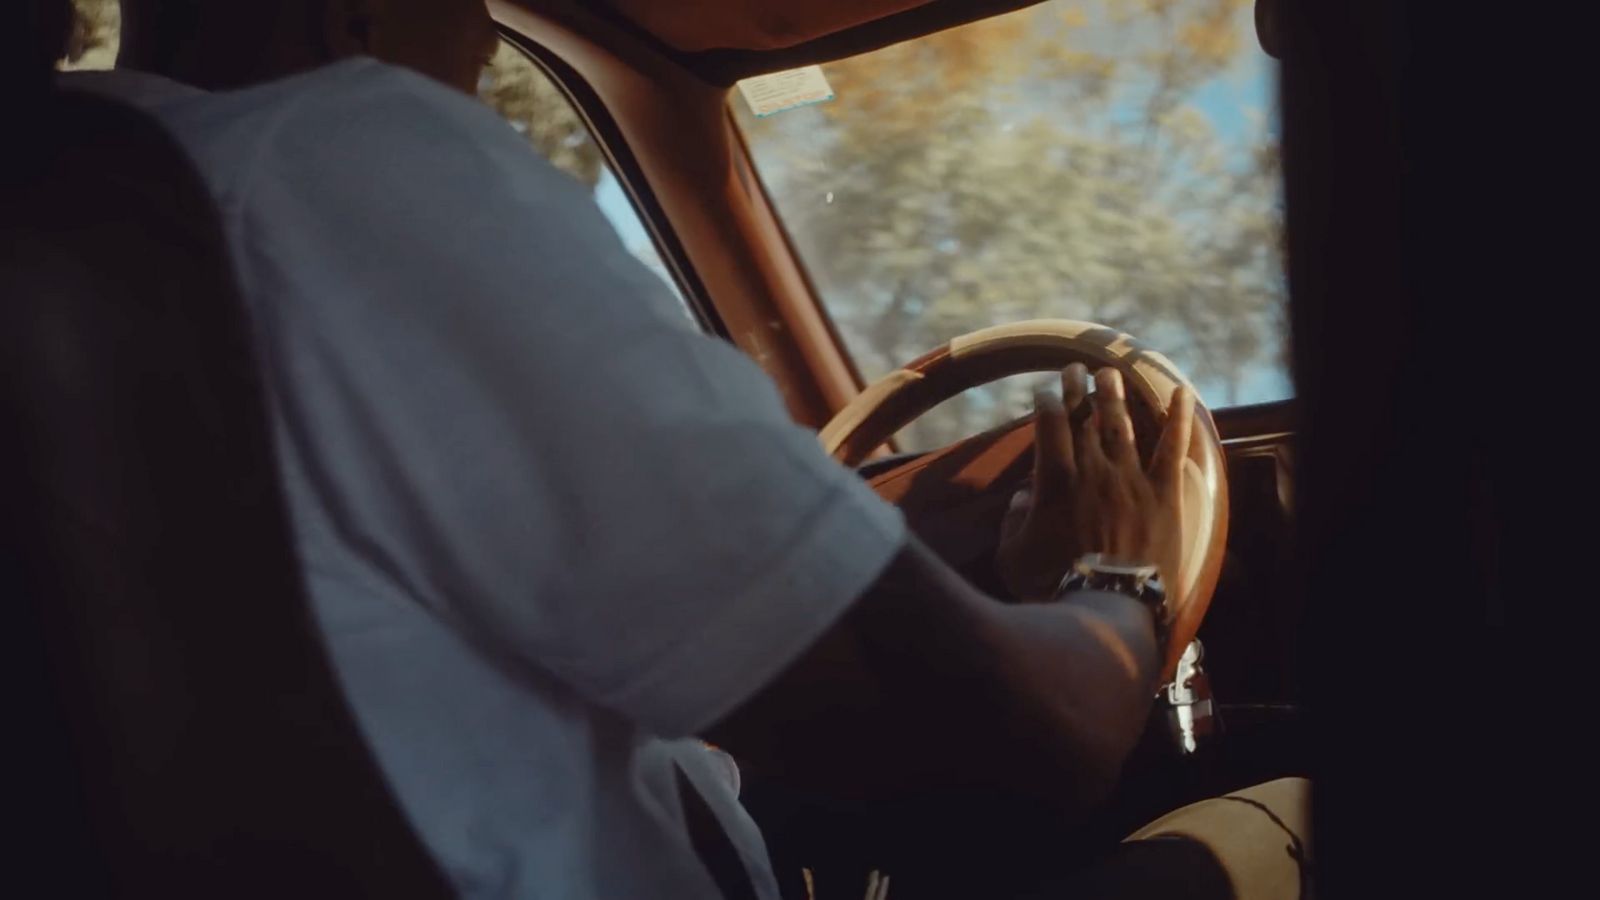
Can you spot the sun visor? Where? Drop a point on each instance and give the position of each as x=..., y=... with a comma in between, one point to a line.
x=695, y=25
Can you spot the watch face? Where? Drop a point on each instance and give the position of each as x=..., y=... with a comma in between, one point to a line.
x=1110, y=565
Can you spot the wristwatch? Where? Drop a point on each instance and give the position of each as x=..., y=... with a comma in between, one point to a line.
x=1140, y=581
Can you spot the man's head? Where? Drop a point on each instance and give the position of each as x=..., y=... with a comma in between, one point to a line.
x=232, y=43
x=34, y=41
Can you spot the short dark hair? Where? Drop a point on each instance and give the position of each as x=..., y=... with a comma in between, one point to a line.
x=154, y=31
x=33, y=46
x=214, y=43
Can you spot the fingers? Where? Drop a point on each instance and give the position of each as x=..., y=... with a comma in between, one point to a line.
x=1166, y=467
x=1111, y=411
x=1054, y=462
x=1017, y=513
x=1092, y=460
x=1074, y=387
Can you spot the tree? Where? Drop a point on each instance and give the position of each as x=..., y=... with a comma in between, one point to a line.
x=97, y=25
x=533, y=104
x=1052, y=162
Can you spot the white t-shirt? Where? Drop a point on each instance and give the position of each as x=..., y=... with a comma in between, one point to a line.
x=549, y=530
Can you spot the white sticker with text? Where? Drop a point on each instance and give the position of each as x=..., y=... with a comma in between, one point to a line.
x=774, y=93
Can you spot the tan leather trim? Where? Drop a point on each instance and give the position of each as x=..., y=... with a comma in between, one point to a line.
x=1027, y=333
x=1038, y=345
x=849, y=419
x=1236, y=828
x=1198, y=512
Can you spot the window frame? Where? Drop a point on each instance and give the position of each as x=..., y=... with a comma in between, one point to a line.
x=665, y=130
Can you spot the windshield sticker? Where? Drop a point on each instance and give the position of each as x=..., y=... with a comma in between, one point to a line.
x=774, y=93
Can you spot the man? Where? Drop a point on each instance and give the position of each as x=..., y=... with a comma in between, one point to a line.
x=553, y=535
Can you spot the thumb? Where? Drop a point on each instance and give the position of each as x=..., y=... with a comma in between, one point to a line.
x=1016, y=514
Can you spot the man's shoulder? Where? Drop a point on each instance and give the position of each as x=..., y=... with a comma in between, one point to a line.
x=358, y=101
x=336, y=82
x=371, y=86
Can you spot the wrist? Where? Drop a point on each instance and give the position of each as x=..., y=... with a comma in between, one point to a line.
x=1137, y=581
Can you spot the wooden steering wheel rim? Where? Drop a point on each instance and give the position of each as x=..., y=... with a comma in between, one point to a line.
x=1043, y=345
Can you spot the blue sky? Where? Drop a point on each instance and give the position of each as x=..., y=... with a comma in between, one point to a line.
x=1226, y=101
x=618, y=208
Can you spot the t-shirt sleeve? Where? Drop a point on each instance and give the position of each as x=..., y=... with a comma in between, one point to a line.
x=503, y=414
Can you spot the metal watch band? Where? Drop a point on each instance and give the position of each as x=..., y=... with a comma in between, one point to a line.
x=1150, y=593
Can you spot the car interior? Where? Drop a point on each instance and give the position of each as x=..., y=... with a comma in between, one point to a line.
x=693, y=175
x=136, y=424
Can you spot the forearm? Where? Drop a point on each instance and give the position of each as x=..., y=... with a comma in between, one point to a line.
x=929, y=686
x=1078, y=677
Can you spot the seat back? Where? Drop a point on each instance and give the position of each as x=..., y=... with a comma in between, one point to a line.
x=187, y=730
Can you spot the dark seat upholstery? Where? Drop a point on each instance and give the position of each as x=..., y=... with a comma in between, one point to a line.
x=182, y=731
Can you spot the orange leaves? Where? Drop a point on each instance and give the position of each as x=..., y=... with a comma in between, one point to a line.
x=1211, y=36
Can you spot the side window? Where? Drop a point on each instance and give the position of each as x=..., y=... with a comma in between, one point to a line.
x=96, y=33
x=512, y=84
x=519, y=90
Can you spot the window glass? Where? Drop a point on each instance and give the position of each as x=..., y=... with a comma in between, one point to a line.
x=1107, y=160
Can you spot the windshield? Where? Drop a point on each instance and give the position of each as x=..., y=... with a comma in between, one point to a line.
x=1108, y=160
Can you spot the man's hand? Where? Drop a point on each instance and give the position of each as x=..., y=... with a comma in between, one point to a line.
x=892, y=714
x=1089, y=493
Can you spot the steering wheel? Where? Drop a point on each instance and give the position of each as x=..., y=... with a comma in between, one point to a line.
x=956, y=497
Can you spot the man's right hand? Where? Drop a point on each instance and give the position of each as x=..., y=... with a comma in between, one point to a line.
x=969, y=728
x=1090, y=494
